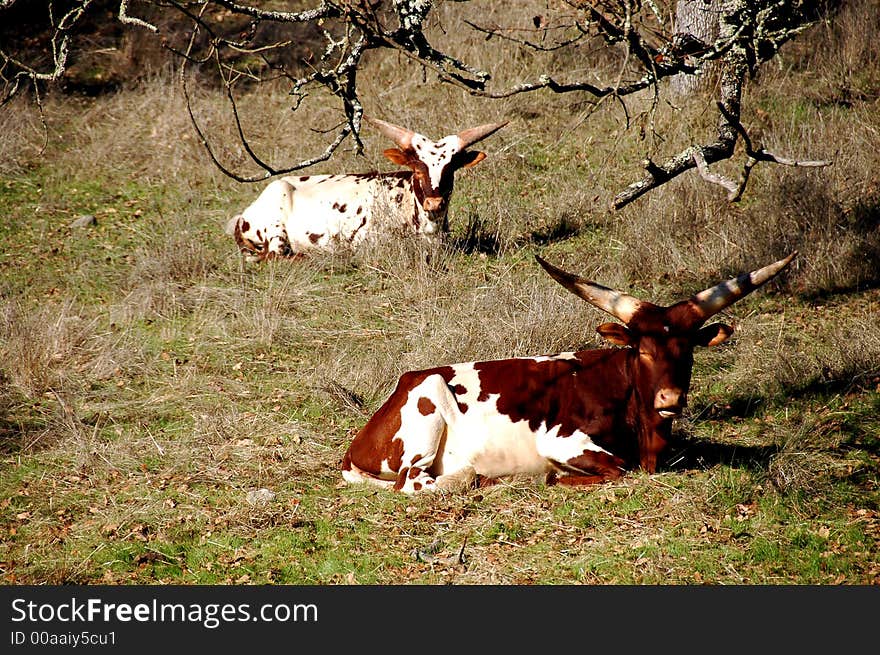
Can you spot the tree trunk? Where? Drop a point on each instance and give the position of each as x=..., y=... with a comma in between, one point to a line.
x=695, y=20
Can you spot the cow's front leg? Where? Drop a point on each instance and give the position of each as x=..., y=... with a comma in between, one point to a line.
x=462, y=480
x=576, y=460
x=650, y=446
x=591, y=468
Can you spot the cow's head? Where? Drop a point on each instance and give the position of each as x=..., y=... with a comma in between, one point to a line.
x=434, y=162
x=663, y=339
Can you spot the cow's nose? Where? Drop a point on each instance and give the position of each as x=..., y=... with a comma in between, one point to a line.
x=433, y=203
x=669, y=402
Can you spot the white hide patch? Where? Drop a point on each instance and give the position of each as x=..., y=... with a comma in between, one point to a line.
x=494, y=444
x=421, y=433
x=561, y=449
x=436, y=155
x=557, y=357
x=477, y=435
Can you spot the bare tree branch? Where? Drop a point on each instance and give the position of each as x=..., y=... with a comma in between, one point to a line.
x=753, y=156
x=715, y=178
x=269, y=170
x=640, y=33
x=659, y=174
x=760, y=154
x=324, y=10
x=741, y=50
x=504, y=33
x=131, y=20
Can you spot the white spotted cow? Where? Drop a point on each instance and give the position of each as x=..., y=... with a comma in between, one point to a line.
x=578, y=417
x=297, y=214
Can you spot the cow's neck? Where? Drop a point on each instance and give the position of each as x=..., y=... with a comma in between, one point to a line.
x=421, y=218
x=652, y=431
x=602, y=384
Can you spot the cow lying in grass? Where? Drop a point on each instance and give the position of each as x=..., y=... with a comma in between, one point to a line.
x=297, y=214
x=577, y=417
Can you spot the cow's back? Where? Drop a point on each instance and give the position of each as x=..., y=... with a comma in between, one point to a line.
x=329, y=211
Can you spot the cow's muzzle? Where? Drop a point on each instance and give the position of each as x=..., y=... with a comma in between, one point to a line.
x=670, y=403
x=433, y=203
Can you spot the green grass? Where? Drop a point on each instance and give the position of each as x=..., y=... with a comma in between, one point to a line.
x=148, y=481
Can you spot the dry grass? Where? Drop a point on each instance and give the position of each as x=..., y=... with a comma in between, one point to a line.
x=44, y=348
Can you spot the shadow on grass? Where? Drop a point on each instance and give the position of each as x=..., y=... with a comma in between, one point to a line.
x=820, y=216
x=18, y=435
x=565, y=228
x=480, y=238
x=24, y=422
x=686, y=453
x=858, y=422
x=828, y=384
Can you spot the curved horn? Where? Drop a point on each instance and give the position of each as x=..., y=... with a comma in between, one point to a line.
x=397, y=134
x=619, y=305
x=714, y=299
x=471, y=136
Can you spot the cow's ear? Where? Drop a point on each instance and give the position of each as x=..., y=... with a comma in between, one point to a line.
x=712, y=335
x=469, y=158
x=616, y=333
x=396, y=156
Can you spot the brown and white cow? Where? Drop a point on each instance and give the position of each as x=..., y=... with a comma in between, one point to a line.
x=296, y=214
x=577, y=417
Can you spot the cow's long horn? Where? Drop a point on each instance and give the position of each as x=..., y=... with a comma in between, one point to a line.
x=619, y=305
x=711, y=301
x=400, y=136
x=471, y=136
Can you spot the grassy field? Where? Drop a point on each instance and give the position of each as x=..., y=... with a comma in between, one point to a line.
x=171, y=414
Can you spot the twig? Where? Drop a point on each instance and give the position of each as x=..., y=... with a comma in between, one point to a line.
x=155, y=443
x=714, y=178
x=131, y=20
x=499, y=32
x=88, y=557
